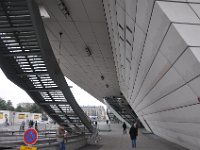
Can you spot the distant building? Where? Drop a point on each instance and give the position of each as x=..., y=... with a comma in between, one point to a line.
x=95, y=112
x=25, y=105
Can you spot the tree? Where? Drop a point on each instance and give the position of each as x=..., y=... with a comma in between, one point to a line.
x=6, y=105
x=44, y=117
x=2, y=104
x=29, y=107
x=10, y=106
x=19, y=108
x=35, y=109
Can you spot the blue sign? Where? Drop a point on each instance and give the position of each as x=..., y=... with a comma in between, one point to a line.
x=30, y=136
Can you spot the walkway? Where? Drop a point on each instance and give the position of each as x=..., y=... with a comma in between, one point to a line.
x=115, y=140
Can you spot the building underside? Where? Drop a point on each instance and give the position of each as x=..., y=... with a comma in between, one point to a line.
x=144, y=52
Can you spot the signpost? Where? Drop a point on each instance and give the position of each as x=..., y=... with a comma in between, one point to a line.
x=30, y=138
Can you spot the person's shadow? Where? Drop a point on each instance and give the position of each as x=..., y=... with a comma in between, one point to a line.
x=91, y=147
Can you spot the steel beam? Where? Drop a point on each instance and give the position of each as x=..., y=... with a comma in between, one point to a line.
x=22, y=54
x=32, y=73
x=52, y=64
x=10, y=29
x=44, y=89
x=54, y=103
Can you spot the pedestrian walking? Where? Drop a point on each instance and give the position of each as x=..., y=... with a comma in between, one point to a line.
x=36, y=126
x=29, y=124
x=6, y=121
x=32, y=123
x=61, y=137
x=22, y=126
x=133, y=134
x=124, y=128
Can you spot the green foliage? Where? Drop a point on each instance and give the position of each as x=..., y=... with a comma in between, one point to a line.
x=29, y=107
x=2, y=104
x=35, y=109
x=6, y=105
x=44, y=117
x=19, y=109
x=10, y=106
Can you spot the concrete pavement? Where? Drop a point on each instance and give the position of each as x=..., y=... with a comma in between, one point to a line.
x=115, y=140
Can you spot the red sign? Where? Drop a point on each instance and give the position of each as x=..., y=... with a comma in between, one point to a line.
x=30, y=136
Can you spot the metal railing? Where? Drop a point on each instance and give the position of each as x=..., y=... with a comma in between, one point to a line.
x=46, y=138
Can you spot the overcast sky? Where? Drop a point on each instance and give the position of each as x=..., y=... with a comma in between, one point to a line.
x=10, y=91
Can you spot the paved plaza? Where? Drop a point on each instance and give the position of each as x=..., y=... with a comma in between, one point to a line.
x=115, y=140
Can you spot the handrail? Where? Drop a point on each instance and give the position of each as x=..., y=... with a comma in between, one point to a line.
x=20, y=131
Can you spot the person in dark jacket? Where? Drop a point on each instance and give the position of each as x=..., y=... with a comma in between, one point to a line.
x=36, y=126
x=124, y=128
x=133, y=134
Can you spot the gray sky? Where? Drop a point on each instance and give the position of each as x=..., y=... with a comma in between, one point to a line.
x=10, y=91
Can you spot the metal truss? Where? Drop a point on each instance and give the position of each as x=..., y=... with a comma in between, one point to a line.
x=27, y=59
x=121, y=106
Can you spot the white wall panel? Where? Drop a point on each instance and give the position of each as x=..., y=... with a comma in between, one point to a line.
x=120, y=15
x=138, y=43
x=127, y=72
x=144, y=124
x=144, y=9
x=173, y=45
x=189, y=129
x=168, y=83
x=149, y=52
x=188, y=65
x=128, y=52
x=137, y=51
x=157, y=29
x=158, y=69
x=131, y=8
x=158, y=26
x=196, y=8
x=184, y=140
x=132, y=78
x=129, y=29
x=178, y=12
x=190, y=33
x=182, y=115
x=181, y=97
x=194, y=85
x=121, y=3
